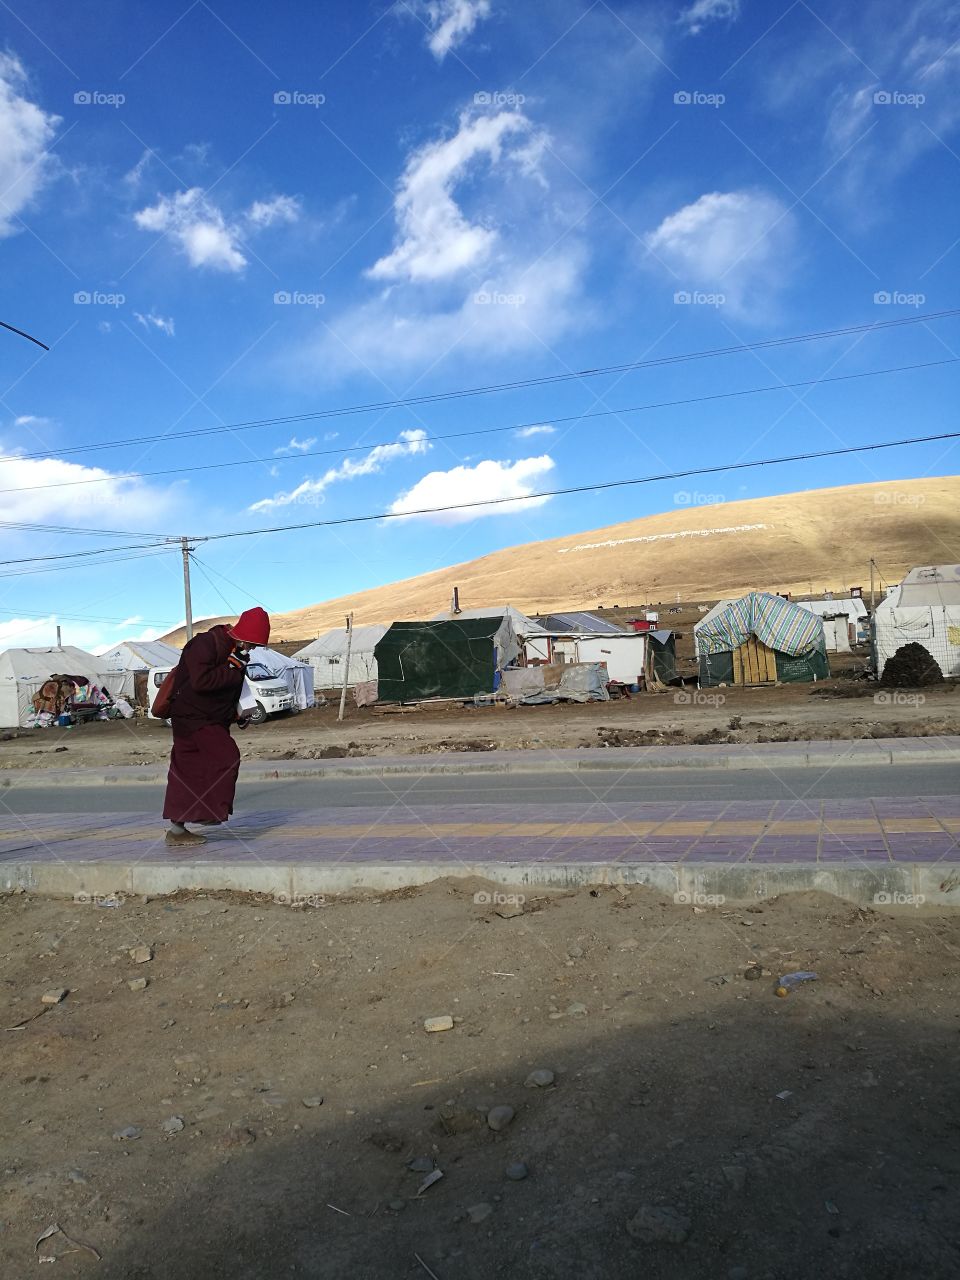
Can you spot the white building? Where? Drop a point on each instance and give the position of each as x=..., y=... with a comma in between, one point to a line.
x=844, y=621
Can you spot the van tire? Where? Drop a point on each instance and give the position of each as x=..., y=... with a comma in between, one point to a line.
x=258, y=715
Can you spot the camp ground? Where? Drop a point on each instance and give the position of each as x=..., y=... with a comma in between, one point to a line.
x=760, y=639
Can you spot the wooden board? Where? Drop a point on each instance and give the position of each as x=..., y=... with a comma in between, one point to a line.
x=754, y=663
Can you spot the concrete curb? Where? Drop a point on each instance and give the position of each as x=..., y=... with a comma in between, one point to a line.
x=767, y=755
x=705, y=885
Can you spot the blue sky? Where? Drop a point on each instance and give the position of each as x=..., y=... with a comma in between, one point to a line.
x=219, y=214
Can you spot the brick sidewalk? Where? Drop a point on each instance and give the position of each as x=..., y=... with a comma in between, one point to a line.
x=925, y=829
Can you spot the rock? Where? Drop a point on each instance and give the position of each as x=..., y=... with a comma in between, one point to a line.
x=54, y=996
x=316, y=1100
x=753, y=972
x=575, y=952
x=735, y=1175
x=517, y=1171
x=127, y=1134
x=137, y=984
x=444, y=1022
x=420, y=1164
x=173, y=1124
x=541, y=1078
x=479, y=1212
x=659, y=1224
x=74, y=1175
x=576, y=1010
x=499, y=1117
x=140, y=955
x=238, y=1136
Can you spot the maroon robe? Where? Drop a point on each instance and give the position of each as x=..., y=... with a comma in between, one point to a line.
x=205, y=761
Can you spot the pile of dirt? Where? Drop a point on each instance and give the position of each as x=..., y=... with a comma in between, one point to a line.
x=912, y=666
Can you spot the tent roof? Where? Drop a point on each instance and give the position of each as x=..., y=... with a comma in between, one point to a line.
x=848, y=605
x=40, y=664
x=779, y=624
x=129, y=654
x=935, y=584
x=521, y=624
x=333, y=644
x=272, y=659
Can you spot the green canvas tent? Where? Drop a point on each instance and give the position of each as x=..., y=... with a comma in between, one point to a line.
x=444, y=659
x=759, y=639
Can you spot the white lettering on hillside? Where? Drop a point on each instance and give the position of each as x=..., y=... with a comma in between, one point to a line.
x=662, y=537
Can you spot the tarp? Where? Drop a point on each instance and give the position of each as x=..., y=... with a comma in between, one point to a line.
x=444, y=659
x=327, y=654
x=23, y=671
x=297, y=676
x=924, y=609
x=779, y=624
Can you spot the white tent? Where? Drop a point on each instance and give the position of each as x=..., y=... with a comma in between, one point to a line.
x=24, y=671
x=132, y=656
x=925, y=609
x=298, y=676
x=327, y=654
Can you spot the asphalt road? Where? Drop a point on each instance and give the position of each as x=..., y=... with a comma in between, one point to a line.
x=843, y=782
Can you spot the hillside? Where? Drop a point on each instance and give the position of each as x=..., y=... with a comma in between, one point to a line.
x=799, y=542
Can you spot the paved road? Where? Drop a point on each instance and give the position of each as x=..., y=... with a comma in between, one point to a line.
x=533, y=789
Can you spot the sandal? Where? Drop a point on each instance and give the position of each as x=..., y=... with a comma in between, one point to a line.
x=185, y=839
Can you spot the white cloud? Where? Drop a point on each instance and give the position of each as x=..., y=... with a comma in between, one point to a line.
x=198, y=226
x=436, y=239
x=696, y=17
x=158, y=322
x=450, y=22
x=202, y=231
x=118, y=502
x=265, y=213
x=485, y=481
x=542, y=429
x=297, y=446
x=735, y=243
x=311, y=492
x=26, y=130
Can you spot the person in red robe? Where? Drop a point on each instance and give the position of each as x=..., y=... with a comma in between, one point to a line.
x=205, y=760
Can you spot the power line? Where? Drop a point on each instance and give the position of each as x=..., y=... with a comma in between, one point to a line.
x=145, y=554
x=517, y=385
x=57, y=616
x=21, y=334
x=595, y=487
x=483, y=431
x=60, y=528
x=585, y=488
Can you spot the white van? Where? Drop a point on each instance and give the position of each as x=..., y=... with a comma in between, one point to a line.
x=264, y=692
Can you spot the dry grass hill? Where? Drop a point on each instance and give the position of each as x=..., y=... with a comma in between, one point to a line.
x=798, y=542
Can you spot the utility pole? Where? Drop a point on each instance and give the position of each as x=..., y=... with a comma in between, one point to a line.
x=185, y=549
x=346, y=665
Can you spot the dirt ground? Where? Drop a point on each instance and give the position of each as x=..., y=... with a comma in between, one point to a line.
x=788, y=1138
x=841, y=708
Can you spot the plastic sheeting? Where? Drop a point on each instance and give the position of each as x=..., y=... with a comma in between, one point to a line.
x=777, y=623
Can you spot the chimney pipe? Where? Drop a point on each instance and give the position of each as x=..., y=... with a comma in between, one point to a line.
x=455, y=603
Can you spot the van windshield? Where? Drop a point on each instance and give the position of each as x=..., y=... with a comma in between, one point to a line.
x=257, y=671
